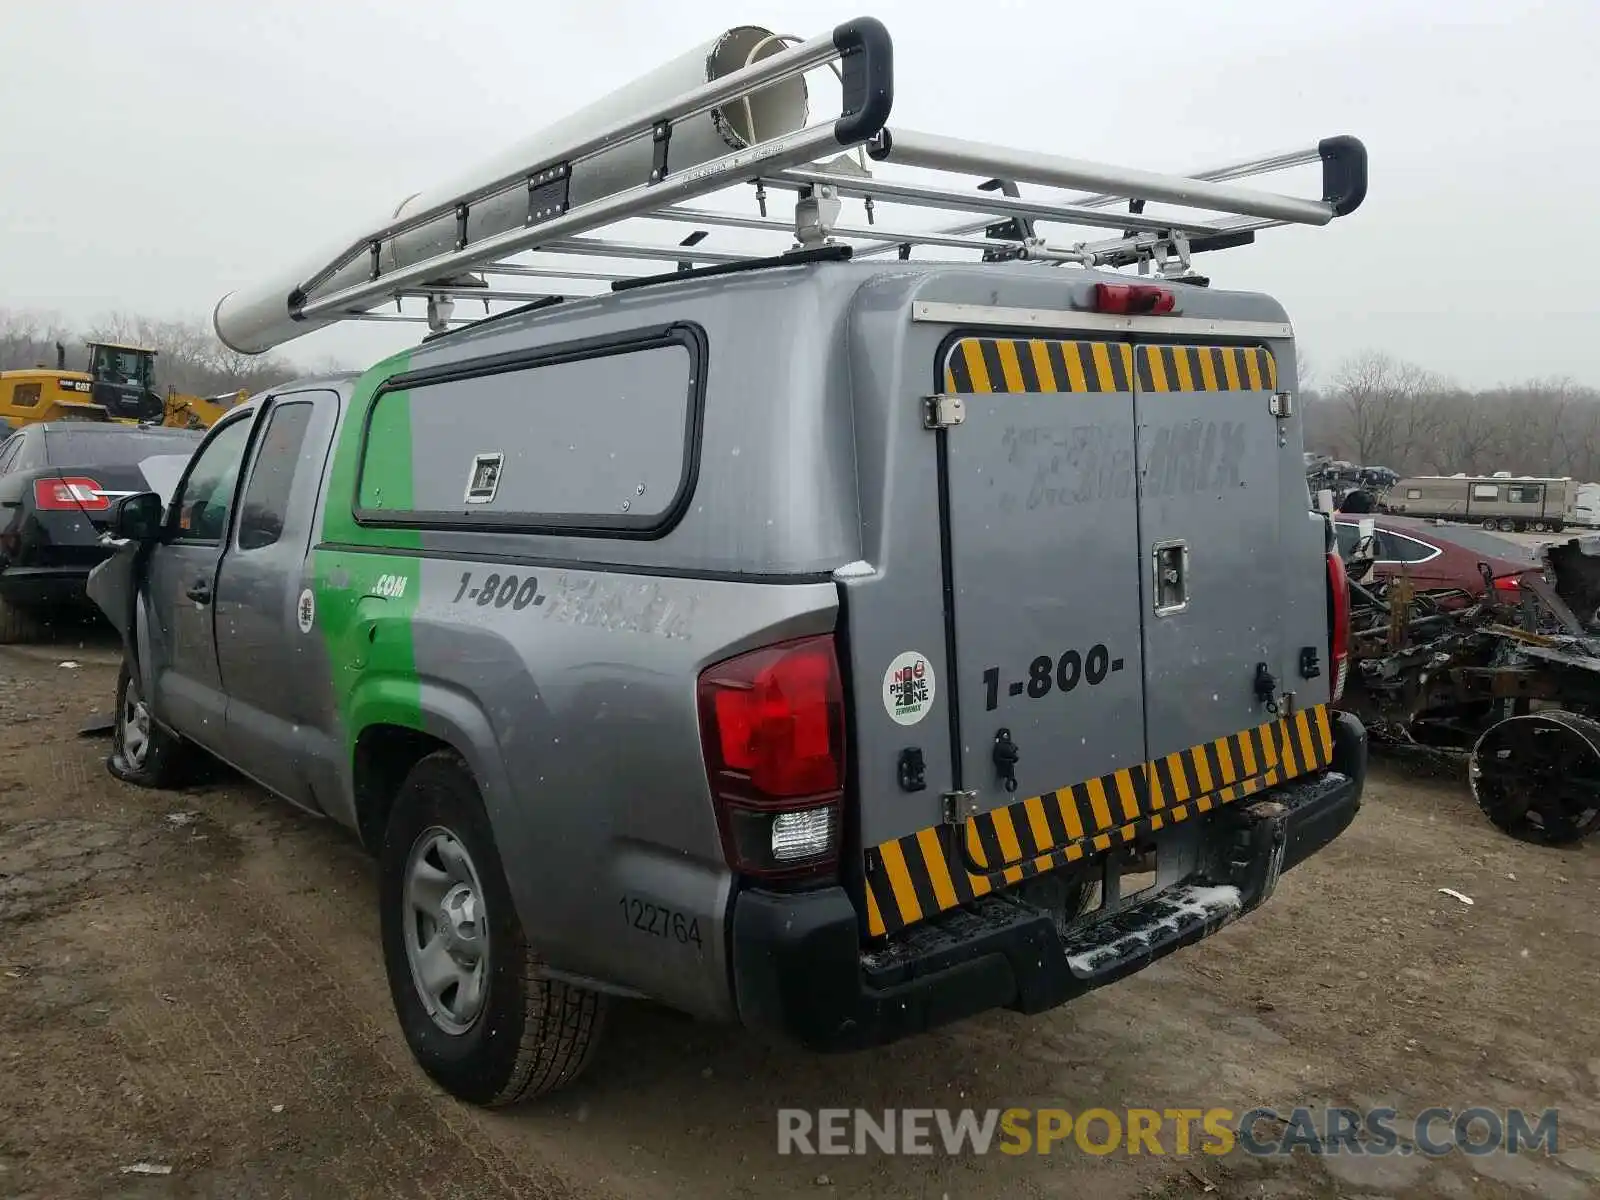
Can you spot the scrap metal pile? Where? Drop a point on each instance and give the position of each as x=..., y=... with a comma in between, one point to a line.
x=1510, y=679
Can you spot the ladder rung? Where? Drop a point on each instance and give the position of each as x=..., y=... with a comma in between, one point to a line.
x=954, y=154
x=927, y=196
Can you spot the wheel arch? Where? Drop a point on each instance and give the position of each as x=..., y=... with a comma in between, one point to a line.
x=389, y=742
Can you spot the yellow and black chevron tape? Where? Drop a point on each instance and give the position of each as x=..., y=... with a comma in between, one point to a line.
x=922, y=874
x=1037, y=365
x=1207, y=369
x=1049, y=365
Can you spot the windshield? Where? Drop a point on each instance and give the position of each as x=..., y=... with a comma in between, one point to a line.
x=116, y=447
x=121, y=367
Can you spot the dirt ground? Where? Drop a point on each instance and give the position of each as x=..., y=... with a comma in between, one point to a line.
x=192, y=980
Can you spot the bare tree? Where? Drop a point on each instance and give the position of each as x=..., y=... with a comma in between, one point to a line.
x=1382, y=411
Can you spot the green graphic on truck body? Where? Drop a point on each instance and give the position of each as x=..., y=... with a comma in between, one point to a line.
x=366, y=598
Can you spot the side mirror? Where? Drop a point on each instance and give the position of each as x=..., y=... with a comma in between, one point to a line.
x=137, y=518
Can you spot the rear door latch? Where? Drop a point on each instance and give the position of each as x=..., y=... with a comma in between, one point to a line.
x=1006, y=755
x=1266, y=688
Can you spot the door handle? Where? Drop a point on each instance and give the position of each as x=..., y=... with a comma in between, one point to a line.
x=199, y=591
x=1170, y=582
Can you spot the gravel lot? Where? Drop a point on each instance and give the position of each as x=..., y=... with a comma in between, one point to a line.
x=192, y=980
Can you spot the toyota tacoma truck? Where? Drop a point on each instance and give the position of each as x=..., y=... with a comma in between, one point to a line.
x=833, y=644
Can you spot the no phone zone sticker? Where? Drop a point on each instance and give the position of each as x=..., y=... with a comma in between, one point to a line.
x=908, y=688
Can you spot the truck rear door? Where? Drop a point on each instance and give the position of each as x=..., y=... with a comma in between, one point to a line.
x=1043, y=527
x=1209, y=516
x=1115, y=562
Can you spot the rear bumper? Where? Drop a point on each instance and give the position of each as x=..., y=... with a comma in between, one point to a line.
x=798, y=967
x=35, y=587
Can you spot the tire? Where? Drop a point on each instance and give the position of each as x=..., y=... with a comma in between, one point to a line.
x=1489, y=524
x=1507, y=525
x=142, y=752
x=521, y=1036
x=1538, y=526
x=17, y=625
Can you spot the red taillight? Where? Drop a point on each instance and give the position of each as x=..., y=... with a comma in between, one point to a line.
x=1127, y=299
x=1339, y=623
x=74, y=493
x=772, y=731
x=1508, y=583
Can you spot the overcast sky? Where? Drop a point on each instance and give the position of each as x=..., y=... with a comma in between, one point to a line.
x=156, y=155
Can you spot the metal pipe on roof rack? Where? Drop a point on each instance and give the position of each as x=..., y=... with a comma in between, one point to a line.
x=940, y=153
x=593, y=154
x=800, y=147
x=924, y=196
x=553, y=145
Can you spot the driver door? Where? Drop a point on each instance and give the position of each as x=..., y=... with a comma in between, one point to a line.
x=186, y=685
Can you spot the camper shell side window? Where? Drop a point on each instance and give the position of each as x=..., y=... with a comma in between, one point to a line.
x=600, y=437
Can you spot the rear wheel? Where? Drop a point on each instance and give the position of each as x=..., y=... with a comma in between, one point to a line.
x=1489, y=523
x=1507, y=525
x=464, y=981
x=1538, y=526
x=18, y=624
x=142, y=752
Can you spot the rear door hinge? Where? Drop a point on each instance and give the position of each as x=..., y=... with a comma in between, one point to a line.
x=959, y=807
x=1281, y=405
x=943, y=412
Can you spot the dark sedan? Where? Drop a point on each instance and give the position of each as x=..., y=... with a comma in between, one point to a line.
x=58, y=480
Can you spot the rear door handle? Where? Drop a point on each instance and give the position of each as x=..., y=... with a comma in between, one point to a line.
x=199, y=591
x=1170, y=571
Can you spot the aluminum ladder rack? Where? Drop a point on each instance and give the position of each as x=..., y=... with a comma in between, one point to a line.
x=585, y=204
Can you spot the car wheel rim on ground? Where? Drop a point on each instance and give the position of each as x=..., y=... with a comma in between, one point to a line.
x=445, y=929
x=135, y=727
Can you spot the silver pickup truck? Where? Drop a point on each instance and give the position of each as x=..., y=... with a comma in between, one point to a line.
x=832, y=643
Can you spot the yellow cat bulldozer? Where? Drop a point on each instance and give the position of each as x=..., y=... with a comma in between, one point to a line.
x=117, y=386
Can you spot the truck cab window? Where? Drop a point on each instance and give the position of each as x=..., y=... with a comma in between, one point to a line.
x=202, y=503
x=265, y=506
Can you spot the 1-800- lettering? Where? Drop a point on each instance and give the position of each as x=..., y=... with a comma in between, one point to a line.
x=1046, y=673
x=499, y=590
